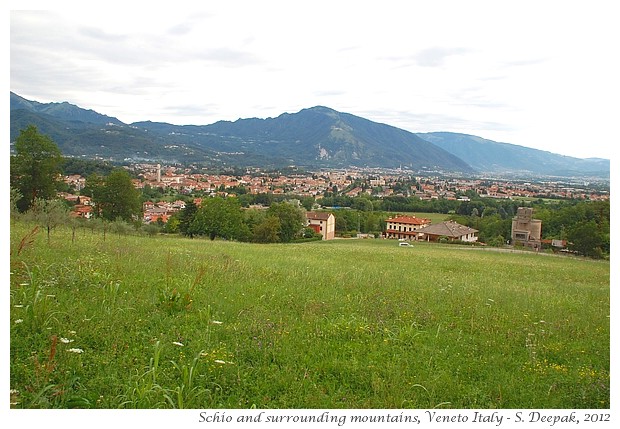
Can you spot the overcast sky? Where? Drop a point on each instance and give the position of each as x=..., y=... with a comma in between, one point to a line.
x=532, y=73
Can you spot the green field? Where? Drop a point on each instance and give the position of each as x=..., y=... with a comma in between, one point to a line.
x=434, y=217
x=163, y=322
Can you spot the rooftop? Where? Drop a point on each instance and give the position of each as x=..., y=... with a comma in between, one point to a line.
x=410, y=220
x=448, y=229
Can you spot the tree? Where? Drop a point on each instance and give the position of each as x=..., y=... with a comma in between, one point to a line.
x=172, y=226
x=220, y=217
x=151, y=229
x=186, y=218
x=587, y=239
x=49, y=214
x=268, y=231
x=36, y=167
x=15, y=197
x=362, y=204
x=307, y=203
x=118, y=198
x=94, y=188
x=292, y=220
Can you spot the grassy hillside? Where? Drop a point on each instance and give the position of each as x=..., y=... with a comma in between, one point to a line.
x=165, y=322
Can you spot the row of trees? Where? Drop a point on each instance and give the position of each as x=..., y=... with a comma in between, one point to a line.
x=51, y=213
x=399, y=203
x=584, y=225
x=224, y=218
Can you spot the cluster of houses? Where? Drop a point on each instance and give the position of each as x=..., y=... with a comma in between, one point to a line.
x=161, y=211
x=354, y=182
x=187, y=181
x=525, y=230
x=82, y=205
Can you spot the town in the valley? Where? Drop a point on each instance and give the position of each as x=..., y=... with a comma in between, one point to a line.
x=190, y=183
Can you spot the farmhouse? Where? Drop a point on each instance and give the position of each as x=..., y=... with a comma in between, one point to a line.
x=450, y=230
x=525, y=230
x=156, y=213
x=82, y=210
x=322, y=223
x=405, y=227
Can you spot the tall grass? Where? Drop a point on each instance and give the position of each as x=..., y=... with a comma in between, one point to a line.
x=168, y=322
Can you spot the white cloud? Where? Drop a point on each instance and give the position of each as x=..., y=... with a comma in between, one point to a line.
x=437, y=56
x=498, y=71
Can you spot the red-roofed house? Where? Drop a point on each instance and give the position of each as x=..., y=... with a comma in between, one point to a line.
x=82, y=210
x=323, y=223
x=405, y=227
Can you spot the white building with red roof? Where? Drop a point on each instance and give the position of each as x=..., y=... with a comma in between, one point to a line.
x=405, y=227
x=323, y=223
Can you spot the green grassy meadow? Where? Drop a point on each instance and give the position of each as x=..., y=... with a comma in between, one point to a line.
x=170, y=322
x=434, y=217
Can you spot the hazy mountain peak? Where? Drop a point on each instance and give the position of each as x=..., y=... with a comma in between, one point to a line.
x=62, y=110
x=490, y=156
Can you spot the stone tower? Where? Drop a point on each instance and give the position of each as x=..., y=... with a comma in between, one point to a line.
x=526, y=230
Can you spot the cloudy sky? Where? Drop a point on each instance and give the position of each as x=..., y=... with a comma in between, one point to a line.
x=537, y=74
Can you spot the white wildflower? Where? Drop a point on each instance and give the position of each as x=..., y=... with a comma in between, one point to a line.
x=216, y=322
x=76, y=351
x=19, y=321
x=72, y=332
x=14, y=391
x=176, y=343
x=66, y=340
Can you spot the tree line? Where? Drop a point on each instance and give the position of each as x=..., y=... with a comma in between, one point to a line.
x=224, y=217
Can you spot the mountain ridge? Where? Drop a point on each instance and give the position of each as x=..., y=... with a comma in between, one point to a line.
x=312, y=137
x=488, y=155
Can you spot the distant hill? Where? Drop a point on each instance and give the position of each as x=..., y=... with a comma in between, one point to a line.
x=64, y=111
x=490, y=156
x=314, y=137
x=317, y=136
x=85, y=133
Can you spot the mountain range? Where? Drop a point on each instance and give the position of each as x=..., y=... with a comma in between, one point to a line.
x=313, y=137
